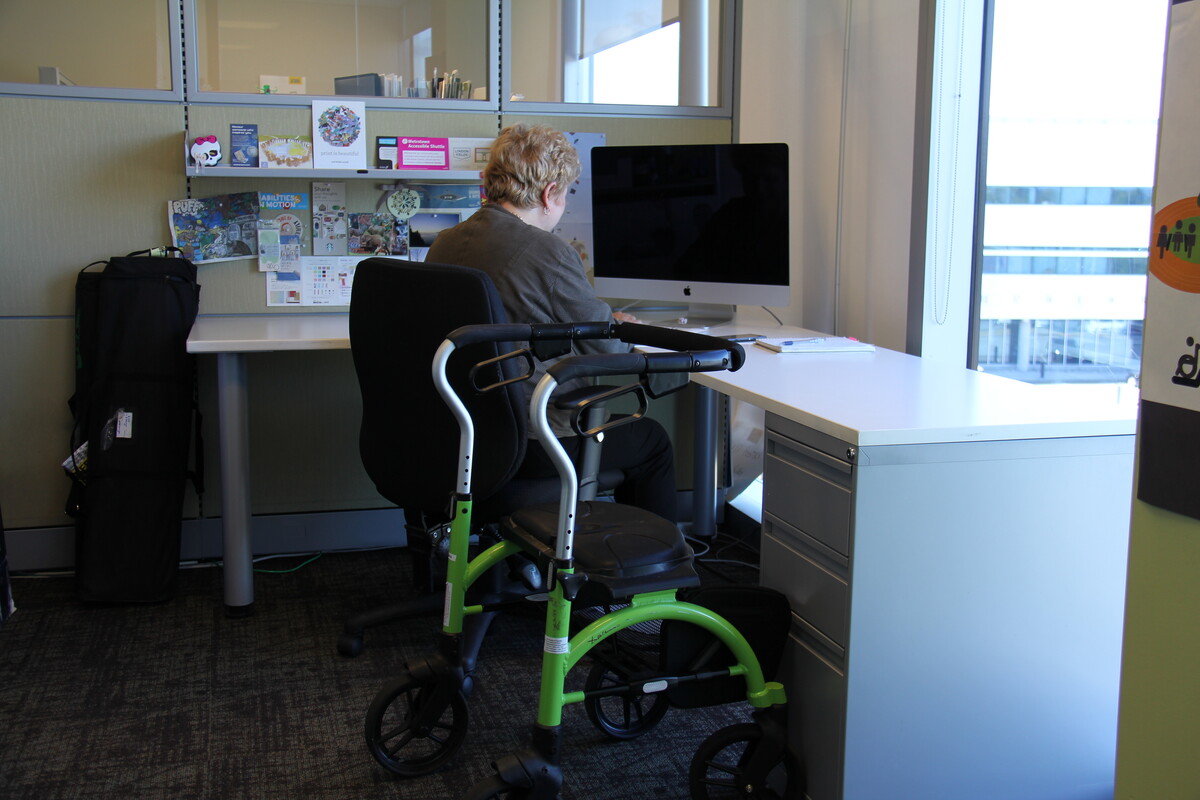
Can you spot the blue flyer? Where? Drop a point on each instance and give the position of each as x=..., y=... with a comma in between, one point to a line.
x=243, y=145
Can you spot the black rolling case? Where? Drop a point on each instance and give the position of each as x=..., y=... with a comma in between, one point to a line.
x=135, y=416
x=6, y=598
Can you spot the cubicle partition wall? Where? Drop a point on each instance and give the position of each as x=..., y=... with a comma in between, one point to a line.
x=91, y=179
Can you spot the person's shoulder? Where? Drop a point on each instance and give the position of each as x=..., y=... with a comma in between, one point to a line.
x=552, y=241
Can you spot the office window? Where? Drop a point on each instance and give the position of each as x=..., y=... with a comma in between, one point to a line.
x=616, y=52
x=63, y=44
x=1071, y=123
x=437, y=49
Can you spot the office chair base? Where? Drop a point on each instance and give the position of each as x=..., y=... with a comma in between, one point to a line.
x=529, y=774
x=350, y=642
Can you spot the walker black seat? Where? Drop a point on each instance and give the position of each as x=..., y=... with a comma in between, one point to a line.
x=623, y=550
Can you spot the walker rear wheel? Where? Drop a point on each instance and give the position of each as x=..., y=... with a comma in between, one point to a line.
x=622, y=716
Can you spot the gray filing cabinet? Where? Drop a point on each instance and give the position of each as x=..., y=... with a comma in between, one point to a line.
x=957, y=612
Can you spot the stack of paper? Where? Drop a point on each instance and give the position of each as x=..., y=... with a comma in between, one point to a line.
x=815, y=344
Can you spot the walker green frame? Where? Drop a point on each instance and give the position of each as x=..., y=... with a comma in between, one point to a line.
x=535, y=773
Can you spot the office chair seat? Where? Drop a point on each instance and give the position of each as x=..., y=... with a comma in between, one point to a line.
x=623, y=550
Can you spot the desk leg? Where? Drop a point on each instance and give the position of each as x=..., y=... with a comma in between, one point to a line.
x=704, y=463
x=235, y=484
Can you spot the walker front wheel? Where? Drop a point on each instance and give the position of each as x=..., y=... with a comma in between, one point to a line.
x=720, y=769
x=415, y=725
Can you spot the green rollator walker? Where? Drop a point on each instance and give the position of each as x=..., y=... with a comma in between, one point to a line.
x=591, y=554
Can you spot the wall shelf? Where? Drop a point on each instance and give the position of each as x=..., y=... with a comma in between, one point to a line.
x=414, y=175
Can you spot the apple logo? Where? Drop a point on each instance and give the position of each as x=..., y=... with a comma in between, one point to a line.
x=687, y=291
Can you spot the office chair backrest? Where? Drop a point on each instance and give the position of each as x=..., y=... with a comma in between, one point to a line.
x=400, y=312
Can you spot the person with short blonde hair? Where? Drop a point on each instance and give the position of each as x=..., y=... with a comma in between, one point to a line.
x=540, y=278
x=524, y=160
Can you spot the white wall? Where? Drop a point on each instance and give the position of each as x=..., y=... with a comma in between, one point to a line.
x=851, y=151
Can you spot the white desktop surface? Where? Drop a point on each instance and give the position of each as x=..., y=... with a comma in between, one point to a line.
x=885, y=397
x=269, y=332
x=877, y=398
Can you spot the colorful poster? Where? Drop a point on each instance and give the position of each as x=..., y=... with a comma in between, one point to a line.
x=378, y=234
x=283, y=230
x=1169, y=434
x=217, y=228
x=339, y=134
x=330, y=228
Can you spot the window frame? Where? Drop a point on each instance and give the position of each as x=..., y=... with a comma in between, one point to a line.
x=196, y=96
x=725, y=78
x=172, y=95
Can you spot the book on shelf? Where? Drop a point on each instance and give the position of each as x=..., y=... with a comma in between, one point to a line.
x=814, y=344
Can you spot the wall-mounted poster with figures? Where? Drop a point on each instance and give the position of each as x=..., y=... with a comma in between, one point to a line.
x=1169, y=440
x=215, y=228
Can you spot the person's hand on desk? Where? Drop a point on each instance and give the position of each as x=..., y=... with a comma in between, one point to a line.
x=622, y=316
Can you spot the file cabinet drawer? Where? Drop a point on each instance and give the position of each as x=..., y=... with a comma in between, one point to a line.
x=819, y=596
x=808, y=490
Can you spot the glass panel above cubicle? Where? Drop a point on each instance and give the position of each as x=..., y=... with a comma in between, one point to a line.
x=404, y=49
x=666, y=54
x=119, y=49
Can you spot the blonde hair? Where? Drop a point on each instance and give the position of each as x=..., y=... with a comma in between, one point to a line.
x=524, y=160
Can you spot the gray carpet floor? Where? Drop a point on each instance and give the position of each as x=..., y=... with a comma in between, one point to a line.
x=176, y=700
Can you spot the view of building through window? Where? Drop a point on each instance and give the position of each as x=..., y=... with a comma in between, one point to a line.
x=1072, y=123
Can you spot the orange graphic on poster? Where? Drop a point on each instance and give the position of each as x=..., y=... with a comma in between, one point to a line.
x=1174, y=253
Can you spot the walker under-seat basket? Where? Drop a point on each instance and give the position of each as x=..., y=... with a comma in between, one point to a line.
x=762, y=615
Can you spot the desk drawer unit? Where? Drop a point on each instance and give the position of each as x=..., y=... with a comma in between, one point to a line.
x=806, y=554
x=956, y=611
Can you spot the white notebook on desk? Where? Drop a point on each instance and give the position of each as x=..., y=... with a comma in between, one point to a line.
x=815, y=344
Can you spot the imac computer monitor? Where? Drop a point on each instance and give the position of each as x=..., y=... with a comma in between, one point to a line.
x=692, y=224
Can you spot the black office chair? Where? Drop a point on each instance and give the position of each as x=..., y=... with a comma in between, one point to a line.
x=400, y=312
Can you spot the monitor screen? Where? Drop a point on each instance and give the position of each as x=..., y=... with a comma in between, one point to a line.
x=697, y=223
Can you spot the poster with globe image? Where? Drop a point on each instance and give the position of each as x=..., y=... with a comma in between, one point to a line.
x=339, y=134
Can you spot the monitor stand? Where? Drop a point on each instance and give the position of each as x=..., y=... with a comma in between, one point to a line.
x=692, y=316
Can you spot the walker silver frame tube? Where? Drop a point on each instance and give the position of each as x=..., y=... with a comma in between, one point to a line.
x=466, y=427
x=540, y=421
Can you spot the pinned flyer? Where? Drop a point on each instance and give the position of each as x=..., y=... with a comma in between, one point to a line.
x=416, y=152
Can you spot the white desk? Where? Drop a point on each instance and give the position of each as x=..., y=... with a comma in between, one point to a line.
x=230, y=338
x=954, y=548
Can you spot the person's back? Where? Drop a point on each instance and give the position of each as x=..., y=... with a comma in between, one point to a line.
x=540, y=278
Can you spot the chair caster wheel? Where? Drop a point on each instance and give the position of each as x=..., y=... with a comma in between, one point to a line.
x=494, y=788
x=350, y=644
